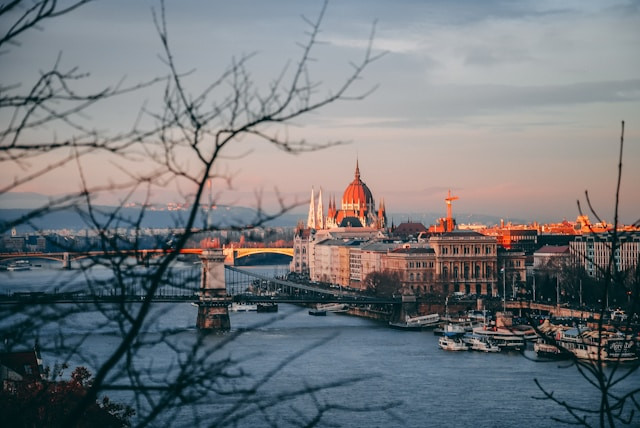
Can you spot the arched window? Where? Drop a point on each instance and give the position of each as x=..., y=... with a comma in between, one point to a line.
x=455, y=272
x=445, y=272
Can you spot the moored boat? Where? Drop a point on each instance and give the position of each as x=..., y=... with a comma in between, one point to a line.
x=450, y=329
x=333, y=307
x=416, y=323
x=267, y=307
x=480, y=343
x=549, y=351
x=451, y=343
x=505, y=338
x=317, y=312
x=19, y=265
x=589, y=344
x=243, y=307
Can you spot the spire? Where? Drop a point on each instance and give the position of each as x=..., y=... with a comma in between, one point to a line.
x=357, y=170
x=320, y=212
x=311, y=220
x=382, y=215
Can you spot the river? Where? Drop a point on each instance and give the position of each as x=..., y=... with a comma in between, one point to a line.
x=423, y=385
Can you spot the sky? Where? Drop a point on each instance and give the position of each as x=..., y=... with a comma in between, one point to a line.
x=515, y=106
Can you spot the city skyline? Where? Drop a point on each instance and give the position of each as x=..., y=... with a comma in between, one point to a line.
x=514, y=107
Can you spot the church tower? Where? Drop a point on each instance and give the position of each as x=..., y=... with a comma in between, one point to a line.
x=311, y=219
x=320, y=213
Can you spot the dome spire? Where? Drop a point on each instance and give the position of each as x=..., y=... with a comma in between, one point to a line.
x=357, y=170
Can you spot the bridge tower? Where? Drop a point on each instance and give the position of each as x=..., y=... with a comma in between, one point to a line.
x=213, y=305
x=66, y=261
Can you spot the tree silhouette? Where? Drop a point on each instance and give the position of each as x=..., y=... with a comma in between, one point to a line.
x=619, y=398
x=184, y=138
x=48, y=402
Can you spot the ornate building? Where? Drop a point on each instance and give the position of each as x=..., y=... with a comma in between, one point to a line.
x=357, y=208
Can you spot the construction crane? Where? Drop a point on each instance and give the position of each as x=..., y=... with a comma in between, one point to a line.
x=448, y=200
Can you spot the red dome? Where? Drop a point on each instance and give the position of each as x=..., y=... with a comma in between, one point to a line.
x=357, y=195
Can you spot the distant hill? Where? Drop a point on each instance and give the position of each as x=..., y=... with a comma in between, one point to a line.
x=73, y=220
x=15, y=205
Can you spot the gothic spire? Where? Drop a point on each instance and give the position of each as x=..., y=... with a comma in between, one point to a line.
x=320, y=212
x=311, y=220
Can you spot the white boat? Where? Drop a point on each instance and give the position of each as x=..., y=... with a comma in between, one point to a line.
x=19, y=265
x=480, y=343
x=451, y=343
x=333, y=307
x=587, y=344
x=506, y=339
x=416, y=323
x=243, y=307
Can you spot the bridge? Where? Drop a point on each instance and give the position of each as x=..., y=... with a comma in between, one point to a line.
x=66, y=257
x=241, y=286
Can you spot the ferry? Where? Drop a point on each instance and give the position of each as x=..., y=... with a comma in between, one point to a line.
x=505, y=338
x=19, y=265
x=333, y=307
x=416, y=323
x=243, y=307
x=587, y=344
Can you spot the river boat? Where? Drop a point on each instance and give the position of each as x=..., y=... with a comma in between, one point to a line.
x=416, y=323
x=505, y=338
x=243, y=307
x=546, y=350
x=587, y=344
x=450, y=329
x=19, y=265
x=333, y=307
x=267, y=307
x=527, y=332
x=480, y=343
x=452, y=343
x=317, y=312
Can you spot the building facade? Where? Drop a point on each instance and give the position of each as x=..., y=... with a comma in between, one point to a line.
x=466, y=262
x=592, y=252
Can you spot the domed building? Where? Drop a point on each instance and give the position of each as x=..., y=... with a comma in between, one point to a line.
x=357, y=208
